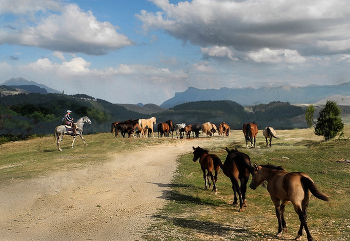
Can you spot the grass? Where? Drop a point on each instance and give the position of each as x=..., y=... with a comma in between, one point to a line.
x=193, y=213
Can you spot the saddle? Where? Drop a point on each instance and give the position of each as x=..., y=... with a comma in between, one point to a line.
x=69, y=129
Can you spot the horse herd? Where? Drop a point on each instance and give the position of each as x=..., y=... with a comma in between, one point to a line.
x=283, y=186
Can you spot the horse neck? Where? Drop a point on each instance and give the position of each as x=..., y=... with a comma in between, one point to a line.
x=80, y=123
x=268, y=173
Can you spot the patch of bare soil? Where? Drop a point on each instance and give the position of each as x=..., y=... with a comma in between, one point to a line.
x=112, y=201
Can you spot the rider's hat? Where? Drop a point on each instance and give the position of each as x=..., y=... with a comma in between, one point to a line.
x=68, y=111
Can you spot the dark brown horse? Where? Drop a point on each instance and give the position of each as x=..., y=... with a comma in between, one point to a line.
x=237, y=167
x=114, y=129
x=286, y=186
x=209, y=163
x=250, y=130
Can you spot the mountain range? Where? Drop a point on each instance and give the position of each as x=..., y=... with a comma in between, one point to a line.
x=265, y=95
x=28, y=85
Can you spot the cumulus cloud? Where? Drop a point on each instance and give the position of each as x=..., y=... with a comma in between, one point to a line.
x=252, y=25
x=203, y=67
x=218, y=51
x=72, y=30
x=267, y=55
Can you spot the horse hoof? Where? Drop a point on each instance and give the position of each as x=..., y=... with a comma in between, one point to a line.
x=241, y=210
x=298, y=237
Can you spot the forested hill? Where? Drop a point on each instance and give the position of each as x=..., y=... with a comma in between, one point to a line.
x=280, y=115
x=35, y=113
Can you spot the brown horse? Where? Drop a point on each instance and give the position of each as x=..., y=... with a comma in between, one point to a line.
x=224, y=129
x=188, y=130
x=209, y=163
x=250, y=130
x=269, y=132
x=237, y=167
x=286, y=186
x=114, y=129
x=164, y=128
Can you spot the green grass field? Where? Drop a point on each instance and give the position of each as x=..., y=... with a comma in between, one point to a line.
x=193, y=213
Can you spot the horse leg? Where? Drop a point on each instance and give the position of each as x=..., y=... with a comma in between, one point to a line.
x=81, y=136
x=58, y=142
x=205, y=179
x=254, y=141
x=267, y=143
x=244, y=182
x=236, y=189
x=270, y=140
x=277, y=202
x=73, y=141
x=214, y=182
x=284, y=225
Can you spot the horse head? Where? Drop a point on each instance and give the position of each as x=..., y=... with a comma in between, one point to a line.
x=198, y=152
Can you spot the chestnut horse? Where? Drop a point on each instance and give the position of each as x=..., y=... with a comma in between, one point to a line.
x=209, y=163
x=224, y=129
x=237, y=167
x=164, y=128
x=250, y=130
x=286, y=186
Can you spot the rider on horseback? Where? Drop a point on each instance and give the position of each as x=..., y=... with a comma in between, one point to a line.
x=67, y=120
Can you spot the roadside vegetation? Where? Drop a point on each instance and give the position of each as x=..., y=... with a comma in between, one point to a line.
x=193, y=213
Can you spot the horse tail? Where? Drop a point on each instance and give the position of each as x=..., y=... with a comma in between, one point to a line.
x=217, y=161
x=269, y=132
x=310, y=185
x=248, y=131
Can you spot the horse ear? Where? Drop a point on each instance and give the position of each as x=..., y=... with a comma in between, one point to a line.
x=193, y=148
x=227, y=149
x=255, y=166
x=236, y=148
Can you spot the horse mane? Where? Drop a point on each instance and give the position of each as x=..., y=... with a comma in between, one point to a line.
x=270, y=166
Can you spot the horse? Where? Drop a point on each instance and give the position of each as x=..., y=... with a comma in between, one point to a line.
x=196, y=129
x=208, y=128
x=62, y=130
x=209, y=163
x=164, y=128
x=269, y=132
x=250, y=130
x=127, y=127
x=114, y=129
x=146, y=126
x=188, y=130
x=224, y=129
x=237, y=166
x=286, y=186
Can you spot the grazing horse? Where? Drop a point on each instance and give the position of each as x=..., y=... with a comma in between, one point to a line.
x=62, y=130
x=286, y=186
x=269, y=132
x=224, y=129
x=250, y=130
x=209, y=163
x=164, y=128
x=146, y=126
x=237, y=167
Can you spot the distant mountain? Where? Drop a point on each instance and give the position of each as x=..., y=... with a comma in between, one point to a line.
x=147, y=109
x=251, y=96
x=339, y=99
x=23, y=82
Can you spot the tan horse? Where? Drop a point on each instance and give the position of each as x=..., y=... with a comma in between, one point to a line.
x=286, y=186
x=62, y=130
x=146, y=126
x=224, y=129
x=269, y=132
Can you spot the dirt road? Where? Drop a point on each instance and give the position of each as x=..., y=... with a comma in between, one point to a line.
x=112, y=201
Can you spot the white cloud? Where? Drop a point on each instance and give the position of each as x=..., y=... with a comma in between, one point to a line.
x=22, y=7
x=203, y=67
x=217, y=51
x=71, y=31
x=253, y=24
x=59, y=55
x=267, y=55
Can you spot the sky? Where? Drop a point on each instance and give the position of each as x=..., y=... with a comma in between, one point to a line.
x=144, y=51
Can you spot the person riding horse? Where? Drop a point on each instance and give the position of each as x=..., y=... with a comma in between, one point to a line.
x=67, y=120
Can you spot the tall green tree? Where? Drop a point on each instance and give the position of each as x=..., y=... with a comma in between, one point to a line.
x=309, y=115
x=329, y=123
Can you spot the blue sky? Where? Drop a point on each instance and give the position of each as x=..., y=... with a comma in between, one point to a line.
x=146, y=50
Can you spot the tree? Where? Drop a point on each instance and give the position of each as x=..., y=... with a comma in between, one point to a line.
x=309, y=115
x=329, y=123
